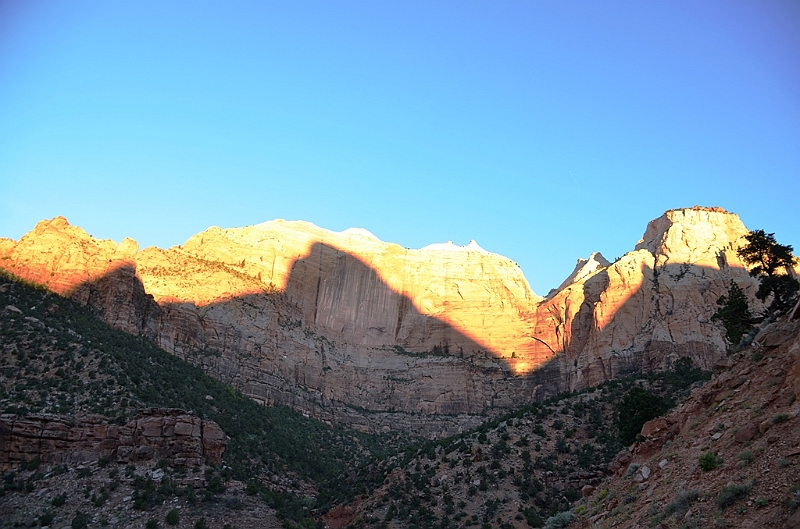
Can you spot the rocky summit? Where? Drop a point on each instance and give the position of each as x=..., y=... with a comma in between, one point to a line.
x=356, y=331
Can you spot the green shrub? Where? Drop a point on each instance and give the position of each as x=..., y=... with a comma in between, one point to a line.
x=152, y=523
x=173, y=517
x=636, y=408
x=683, y=373
x=734, y=313
x=533, y=518
x=81, y=520
x=33, y=464
x=709, y=461
x=215, y=486
x=730, y=494
x=745, y=458
x=59, y=500
x=681, y=504
x=779, y=418
x=46, y=518
x=97, y=501
x=560, y=520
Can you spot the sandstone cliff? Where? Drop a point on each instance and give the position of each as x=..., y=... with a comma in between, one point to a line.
x=353, y=329
x=653, y=304
x=174, y=435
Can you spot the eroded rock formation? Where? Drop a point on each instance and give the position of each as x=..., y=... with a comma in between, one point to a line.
x=175, y=435
x=652, y=305
x=353, y=329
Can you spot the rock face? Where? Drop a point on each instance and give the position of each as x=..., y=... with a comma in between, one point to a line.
x=352, y=329
x=369, y=292
x=652, y=305
x=174, y=435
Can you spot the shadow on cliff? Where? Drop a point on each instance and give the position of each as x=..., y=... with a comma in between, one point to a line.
x=667, y=315
x=339, y=335
x=351, y=299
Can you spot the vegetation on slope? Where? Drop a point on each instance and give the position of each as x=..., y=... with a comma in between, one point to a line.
x=523, y=468
x=730, y=458
x=56, y=357
x=771, y=263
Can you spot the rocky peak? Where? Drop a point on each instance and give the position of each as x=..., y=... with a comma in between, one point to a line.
x=583, y=269
x=698, y=235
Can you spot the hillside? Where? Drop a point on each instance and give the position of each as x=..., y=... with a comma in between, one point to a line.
x=541, y=465
x=62, y=364
x=62, y=367
x=518, y=470
x=726, y=457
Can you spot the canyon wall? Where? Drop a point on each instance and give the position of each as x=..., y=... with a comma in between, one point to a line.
x=377, y=336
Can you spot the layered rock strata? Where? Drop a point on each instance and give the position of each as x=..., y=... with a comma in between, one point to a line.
x=174, y=435
x=355, y=330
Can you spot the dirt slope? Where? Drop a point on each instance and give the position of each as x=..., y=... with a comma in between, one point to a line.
x=727, y=457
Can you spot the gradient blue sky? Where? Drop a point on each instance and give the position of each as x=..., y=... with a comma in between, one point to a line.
x=544, y=130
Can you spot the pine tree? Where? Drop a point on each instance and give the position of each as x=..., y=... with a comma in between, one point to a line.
x=734, y=313
x=768, y=258
x=636, y=408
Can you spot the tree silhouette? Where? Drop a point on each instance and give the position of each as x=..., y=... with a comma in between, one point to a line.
x=767, y=259
x=636, y=408
x=734, y=313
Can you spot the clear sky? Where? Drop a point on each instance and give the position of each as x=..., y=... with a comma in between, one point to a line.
x=545, y=130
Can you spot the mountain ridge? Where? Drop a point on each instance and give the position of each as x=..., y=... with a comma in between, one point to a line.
x=352, y=329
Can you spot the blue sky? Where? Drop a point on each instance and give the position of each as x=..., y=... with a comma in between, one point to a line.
x=543, y=130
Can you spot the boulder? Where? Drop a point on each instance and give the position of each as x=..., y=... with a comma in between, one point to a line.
x=746, y=433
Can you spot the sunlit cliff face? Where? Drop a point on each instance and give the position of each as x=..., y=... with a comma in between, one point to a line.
x=378, y=293
x=369, y=288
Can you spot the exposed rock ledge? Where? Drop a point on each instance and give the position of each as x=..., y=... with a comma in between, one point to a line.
x=175, y=435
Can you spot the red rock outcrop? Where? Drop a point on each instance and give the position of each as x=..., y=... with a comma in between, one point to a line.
x=179, y=437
